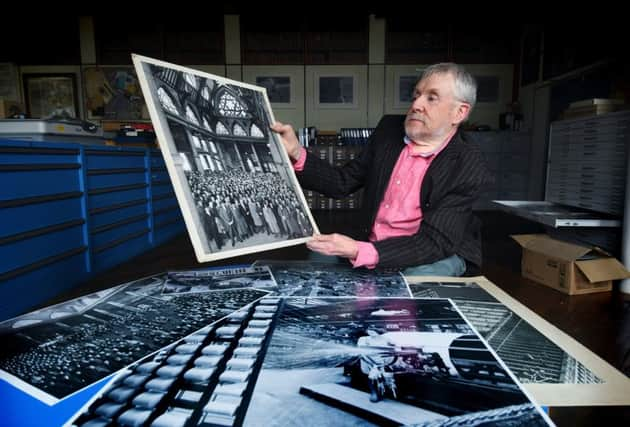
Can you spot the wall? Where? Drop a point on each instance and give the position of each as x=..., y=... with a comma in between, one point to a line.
x=375, y=91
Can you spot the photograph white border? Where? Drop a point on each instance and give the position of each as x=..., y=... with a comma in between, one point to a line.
x=184, y=198
x=615, y=389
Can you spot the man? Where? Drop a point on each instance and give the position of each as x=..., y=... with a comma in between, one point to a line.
x=420, y=176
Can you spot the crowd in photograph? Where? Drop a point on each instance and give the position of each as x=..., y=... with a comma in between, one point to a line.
x=237, y=205
x=86, y=347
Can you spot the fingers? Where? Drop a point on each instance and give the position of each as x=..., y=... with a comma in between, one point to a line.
x=332, y=244
x=281, y=128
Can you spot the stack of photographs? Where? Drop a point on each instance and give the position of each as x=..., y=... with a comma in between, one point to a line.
x=283, y=343
x=302, y=361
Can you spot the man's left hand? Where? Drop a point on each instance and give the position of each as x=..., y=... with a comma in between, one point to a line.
x=334, y=244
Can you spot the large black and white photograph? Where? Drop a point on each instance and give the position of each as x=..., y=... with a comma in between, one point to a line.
x=212, y=279
x=530, y=355
x=382, y=361
x=301, y=278
x=55, y=352
x=321, y=361
x=547, y=361
x=234, y=182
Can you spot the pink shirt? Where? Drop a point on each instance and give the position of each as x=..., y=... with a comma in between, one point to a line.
x=399, y=213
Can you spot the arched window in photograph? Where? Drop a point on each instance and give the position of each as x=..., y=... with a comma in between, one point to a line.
x=238, y=130
x=210, y=162
x=229, y=106
x=191, y=116
x=213, y=147
x=221, y=129
x=195, y=141
x=204, y=163
x=167, y=101
x=191, y=80
x=205, y=93
x=185, y=162
x=256, y=132
x=206, y=124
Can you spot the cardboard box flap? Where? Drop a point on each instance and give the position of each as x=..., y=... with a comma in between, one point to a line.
x=602, y=269
x=553, y=248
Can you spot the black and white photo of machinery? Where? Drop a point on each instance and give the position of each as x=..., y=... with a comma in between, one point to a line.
x=301, y=361
x=213, y=279
x=301, y=278
x=531, y=356
x=55, y=352
x=233, y=179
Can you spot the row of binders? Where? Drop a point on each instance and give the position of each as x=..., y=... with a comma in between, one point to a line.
x=309, y=136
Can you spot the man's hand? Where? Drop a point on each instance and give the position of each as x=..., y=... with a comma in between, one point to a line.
x=289, y=140
x=334, y=244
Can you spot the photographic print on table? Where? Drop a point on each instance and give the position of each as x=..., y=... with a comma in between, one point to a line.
x=552, y=365
x=532, y=357
x=301, y=278
x=321, y=361
x=53, y=353
x=214, y=279
x=232, y=177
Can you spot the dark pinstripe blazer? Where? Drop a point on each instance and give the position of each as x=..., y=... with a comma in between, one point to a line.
x=452, y=183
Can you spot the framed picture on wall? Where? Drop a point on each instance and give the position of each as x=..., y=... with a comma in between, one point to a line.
x=113, y=93
x=232, y=177
x=278, y=88
x=51, y=95
x=336, y=91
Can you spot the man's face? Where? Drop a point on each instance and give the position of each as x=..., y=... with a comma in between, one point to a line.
x=434, y=109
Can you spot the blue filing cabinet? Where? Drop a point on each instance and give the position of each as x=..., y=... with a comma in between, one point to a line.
x=69, y=211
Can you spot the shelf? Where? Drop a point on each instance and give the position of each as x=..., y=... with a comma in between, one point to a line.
x=555, y=215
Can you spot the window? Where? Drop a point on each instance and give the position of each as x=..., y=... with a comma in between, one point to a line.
x=167, y=101
x=256, y=132
x=195, y=141
x=206, y=124
x=191, y=116
x=205, y=93
x=238, y=130
x=185, y=162
x=229, y=106
x=191, y=80
x=221, y=129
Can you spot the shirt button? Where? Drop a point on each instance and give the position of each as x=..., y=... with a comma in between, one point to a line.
x=398, y=182
x=387, y=206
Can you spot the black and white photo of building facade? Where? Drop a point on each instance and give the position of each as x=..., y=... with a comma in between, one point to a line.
x=531, y=356
x=67, y=347
x=239, y=187
x=299, y=278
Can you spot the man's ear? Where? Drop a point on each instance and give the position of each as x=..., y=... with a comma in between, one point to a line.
x=461, y=113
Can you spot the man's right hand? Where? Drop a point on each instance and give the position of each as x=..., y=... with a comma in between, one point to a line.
x=289, y=140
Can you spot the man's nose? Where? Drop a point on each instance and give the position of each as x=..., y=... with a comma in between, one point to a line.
x=417, y=104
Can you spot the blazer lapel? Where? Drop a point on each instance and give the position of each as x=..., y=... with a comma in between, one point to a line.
x=392, y=147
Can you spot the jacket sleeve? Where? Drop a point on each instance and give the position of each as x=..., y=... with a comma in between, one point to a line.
x=445, y=222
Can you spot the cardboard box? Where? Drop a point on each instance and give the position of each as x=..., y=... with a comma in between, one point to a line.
x=566, y=267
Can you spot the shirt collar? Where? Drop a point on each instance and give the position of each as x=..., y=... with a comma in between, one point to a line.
x=435, y=152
